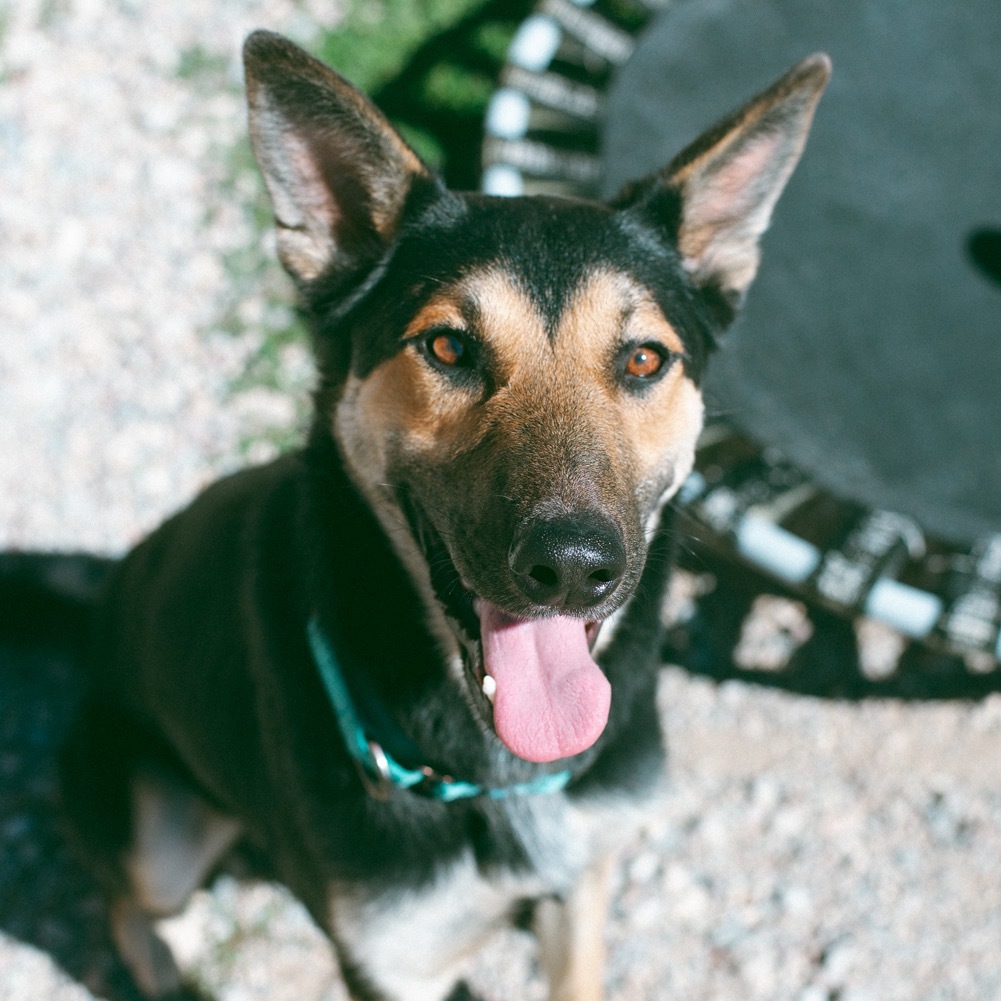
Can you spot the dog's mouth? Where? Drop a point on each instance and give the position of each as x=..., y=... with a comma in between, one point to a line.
x=533, y=678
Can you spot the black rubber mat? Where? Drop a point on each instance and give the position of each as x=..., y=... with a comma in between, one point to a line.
x=870, y=349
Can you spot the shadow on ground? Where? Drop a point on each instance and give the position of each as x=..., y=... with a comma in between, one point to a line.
x=827, y=665
x=47, y=899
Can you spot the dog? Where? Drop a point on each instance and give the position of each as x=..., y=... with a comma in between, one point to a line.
x=413, y=664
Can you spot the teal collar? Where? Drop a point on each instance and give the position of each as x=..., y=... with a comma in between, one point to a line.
x=380, y=772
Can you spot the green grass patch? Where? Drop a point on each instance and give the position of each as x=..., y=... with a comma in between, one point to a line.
x=377, y=37
x=197, y=63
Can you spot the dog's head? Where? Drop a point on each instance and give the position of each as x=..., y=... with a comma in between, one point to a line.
x=514, y=383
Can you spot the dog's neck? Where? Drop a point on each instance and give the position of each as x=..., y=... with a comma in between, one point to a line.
x=381, y=751
x=393, y=649
x=389, y=645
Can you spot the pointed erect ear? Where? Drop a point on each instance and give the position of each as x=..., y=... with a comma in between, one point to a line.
x=717, y=195
x=337, y=172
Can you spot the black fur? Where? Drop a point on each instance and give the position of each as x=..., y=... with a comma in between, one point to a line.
x=273, y=546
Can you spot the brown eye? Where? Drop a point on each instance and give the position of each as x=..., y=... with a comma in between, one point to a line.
x=644, y=361
x=447, y=348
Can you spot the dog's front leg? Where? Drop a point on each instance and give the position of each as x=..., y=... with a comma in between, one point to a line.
x=571, y=934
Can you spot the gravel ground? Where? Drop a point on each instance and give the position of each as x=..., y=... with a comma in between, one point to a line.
x=808, y=851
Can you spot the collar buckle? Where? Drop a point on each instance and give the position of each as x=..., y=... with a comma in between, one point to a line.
x=375, y=773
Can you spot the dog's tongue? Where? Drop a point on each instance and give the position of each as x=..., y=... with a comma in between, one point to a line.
x=552, y=699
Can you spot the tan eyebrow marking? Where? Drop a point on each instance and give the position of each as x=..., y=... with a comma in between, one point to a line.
x=612, y=303
x=444, y=310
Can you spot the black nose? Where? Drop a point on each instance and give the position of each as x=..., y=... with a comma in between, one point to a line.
x=570, y=563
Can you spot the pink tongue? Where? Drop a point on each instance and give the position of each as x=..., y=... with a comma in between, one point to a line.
x=552, y=699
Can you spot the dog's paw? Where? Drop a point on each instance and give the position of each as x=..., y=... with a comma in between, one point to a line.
x=147, y=956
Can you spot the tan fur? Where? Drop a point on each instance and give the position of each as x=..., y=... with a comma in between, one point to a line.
x=177, y=838
x=307, y=214
x=573, y=371
x=805, y=82
x=731, y=178
x=659, y=429
x=571, y=937
x=546, y=387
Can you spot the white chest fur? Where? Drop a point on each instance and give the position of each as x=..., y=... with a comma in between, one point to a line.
x=414, y=943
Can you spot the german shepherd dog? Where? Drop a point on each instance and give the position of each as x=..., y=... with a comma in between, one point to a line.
x=413, y=665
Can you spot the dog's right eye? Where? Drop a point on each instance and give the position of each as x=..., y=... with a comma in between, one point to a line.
x=448, y=348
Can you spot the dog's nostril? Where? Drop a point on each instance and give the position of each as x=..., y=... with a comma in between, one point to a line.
x=546, y=576
x=602, y=576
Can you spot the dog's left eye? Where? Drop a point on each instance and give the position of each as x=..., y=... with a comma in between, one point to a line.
x=645, y=362
x=447, y=348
